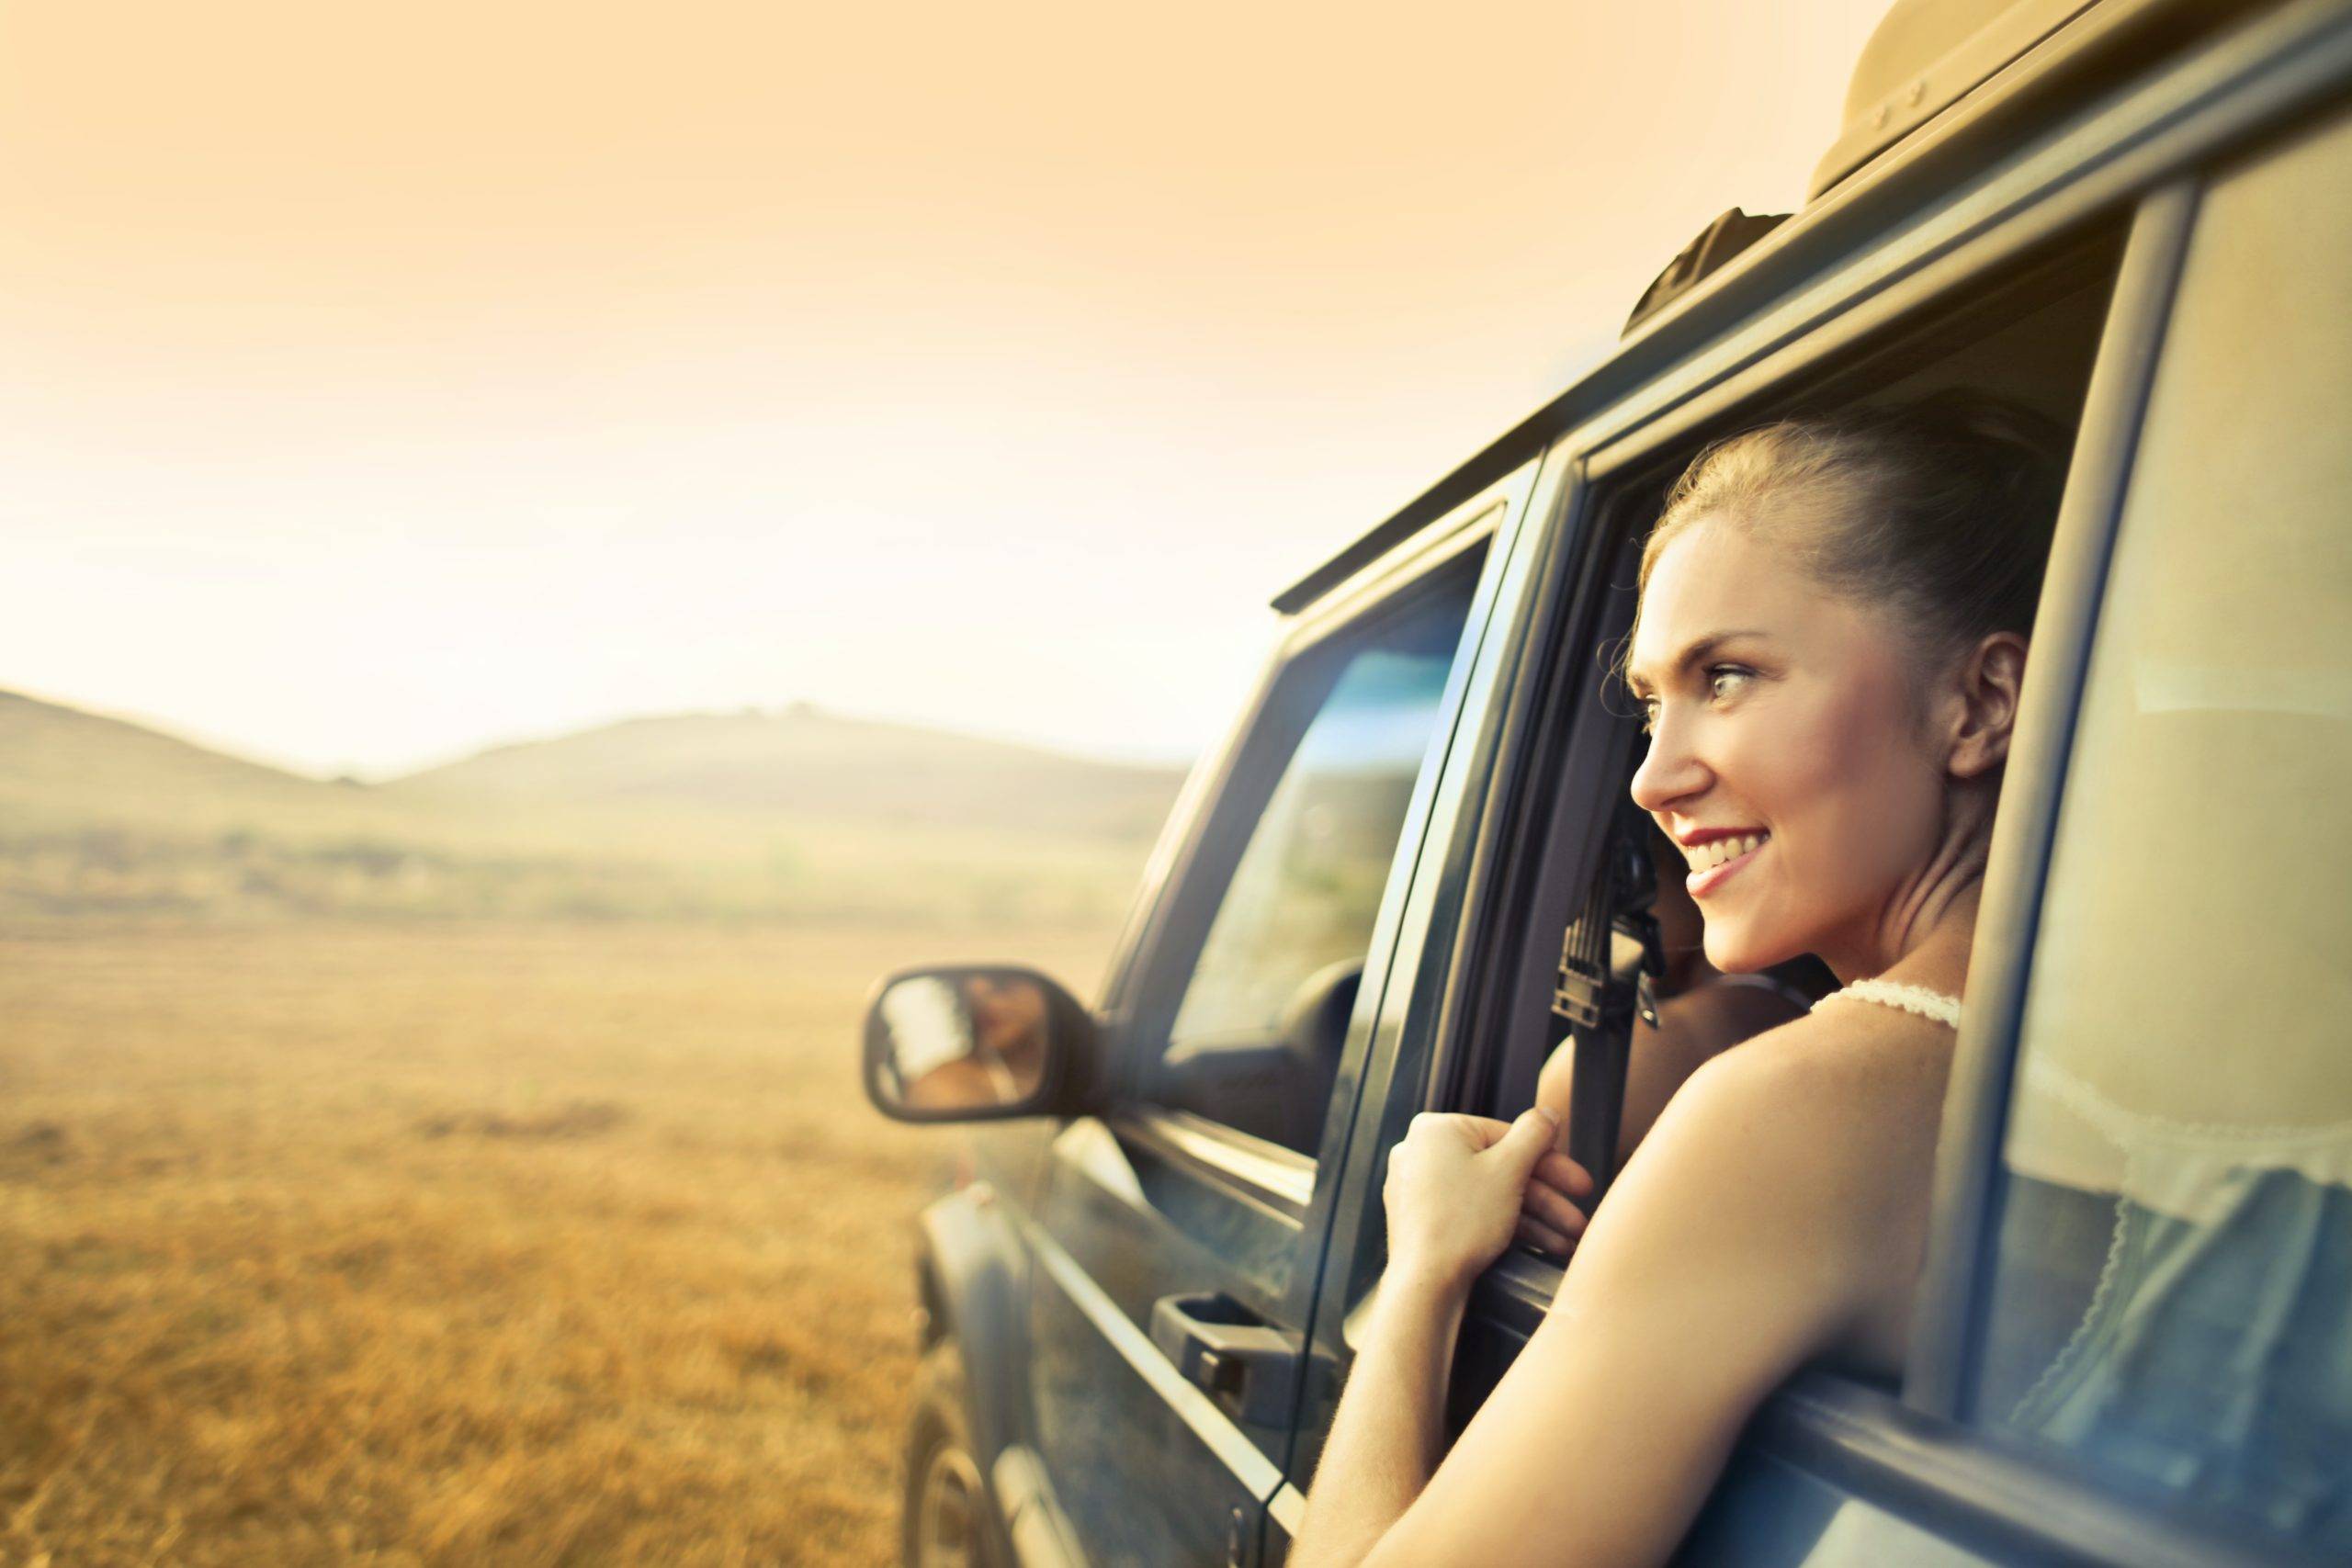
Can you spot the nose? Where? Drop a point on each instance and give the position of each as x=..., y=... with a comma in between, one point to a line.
x=1671, y=770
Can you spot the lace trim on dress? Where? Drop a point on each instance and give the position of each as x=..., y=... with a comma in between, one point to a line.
x=2129, y=1129
x=1895, y=994
x=2094, y=1312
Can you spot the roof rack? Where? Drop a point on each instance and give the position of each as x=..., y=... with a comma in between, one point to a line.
x=1927, y=55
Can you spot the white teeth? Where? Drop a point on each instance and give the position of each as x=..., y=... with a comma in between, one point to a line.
x=1706, y=856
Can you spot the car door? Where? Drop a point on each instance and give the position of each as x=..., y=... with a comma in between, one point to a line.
x=1176, y=1237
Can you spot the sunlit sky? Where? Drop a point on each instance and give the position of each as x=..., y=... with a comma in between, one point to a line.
x=380, y=381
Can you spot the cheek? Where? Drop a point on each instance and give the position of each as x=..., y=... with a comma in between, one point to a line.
x=1835, y=774
x=1855, y=783
x=1838, y=776
x=1792, y=755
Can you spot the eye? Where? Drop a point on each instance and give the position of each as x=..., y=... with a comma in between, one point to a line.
x=1718, y=674
x=1649, y=715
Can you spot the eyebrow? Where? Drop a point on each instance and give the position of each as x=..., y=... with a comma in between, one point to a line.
x=1693, y=650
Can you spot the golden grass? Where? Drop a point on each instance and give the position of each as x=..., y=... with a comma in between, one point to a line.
x=506, y=860
x=455, y=1243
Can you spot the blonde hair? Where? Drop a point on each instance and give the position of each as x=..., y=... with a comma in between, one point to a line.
x=1940, y=511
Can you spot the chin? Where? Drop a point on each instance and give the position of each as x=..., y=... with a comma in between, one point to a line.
x=1737, y=951
x=1724, y=951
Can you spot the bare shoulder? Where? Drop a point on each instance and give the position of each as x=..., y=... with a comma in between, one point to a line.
x=1835, y=1059
x=1819, y=1131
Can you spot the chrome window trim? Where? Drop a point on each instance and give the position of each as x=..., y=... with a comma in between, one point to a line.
x=1970, y=1487
x=1282, y=1176
x=1352, y=588
x=1286, y=1509
x=1427, y=552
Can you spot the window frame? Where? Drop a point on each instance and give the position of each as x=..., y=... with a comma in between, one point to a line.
x=1226, y=799
x=1298, y=700
x=1946, y=1331
x=1903, y=1451
x=1543, y=845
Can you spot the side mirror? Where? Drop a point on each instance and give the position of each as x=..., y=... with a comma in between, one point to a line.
x=976, y=1042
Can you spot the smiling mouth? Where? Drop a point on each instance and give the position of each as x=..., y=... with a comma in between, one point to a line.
x=1718, y=852
x=1712, y=863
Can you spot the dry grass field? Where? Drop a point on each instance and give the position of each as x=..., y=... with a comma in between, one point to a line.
x=456, y=1243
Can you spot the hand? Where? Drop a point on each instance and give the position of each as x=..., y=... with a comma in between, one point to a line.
x=1462, y=1188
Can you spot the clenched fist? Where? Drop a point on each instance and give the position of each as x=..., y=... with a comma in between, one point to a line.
x=1462, y=1188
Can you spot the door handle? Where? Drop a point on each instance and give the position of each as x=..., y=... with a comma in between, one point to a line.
x=1249, y=1367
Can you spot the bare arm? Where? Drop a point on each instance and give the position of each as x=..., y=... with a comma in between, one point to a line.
x=1390, y=1425
x=1733, y=1250
x=1474, y=1175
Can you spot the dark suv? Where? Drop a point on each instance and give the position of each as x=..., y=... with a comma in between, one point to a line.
x=1402, y=884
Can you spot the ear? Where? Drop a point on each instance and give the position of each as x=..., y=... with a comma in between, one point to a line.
x=1985, y=683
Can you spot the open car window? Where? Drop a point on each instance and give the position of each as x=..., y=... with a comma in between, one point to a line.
x=2028, y=336
x=1257, y=1033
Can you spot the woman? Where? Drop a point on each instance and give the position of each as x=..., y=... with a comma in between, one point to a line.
x=1831, y=634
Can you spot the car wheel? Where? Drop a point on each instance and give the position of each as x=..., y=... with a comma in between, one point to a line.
x=947, y=1522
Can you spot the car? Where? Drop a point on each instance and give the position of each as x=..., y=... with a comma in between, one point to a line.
x=1403, y=881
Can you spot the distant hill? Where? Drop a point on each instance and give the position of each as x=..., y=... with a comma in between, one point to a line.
x=59, y=763
x=809, y=763
x=799, y=815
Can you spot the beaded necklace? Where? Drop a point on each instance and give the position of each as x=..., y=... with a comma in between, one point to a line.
x=1895, y=994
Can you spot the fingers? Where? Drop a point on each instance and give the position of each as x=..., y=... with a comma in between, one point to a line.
x=1558, y=1171
x=1546, y=1206
x=1529, y=1140
x=1542, y=1237
x=1480, y=1132
x=1452, y=1128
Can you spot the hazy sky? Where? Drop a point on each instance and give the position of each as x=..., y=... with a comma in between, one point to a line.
x=378, y=382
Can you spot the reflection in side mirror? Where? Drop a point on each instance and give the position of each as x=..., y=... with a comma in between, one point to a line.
x=971, y=1043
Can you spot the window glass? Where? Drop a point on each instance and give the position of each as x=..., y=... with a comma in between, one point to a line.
x=1257, y=1036
x=2173, y=1287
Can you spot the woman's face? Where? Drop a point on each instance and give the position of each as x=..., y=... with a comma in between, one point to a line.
x=1784, y=758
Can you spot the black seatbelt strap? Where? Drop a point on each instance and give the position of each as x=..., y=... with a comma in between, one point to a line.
x=1608, y=959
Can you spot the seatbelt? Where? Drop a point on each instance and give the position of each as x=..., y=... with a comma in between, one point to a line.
x=1608, y=957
